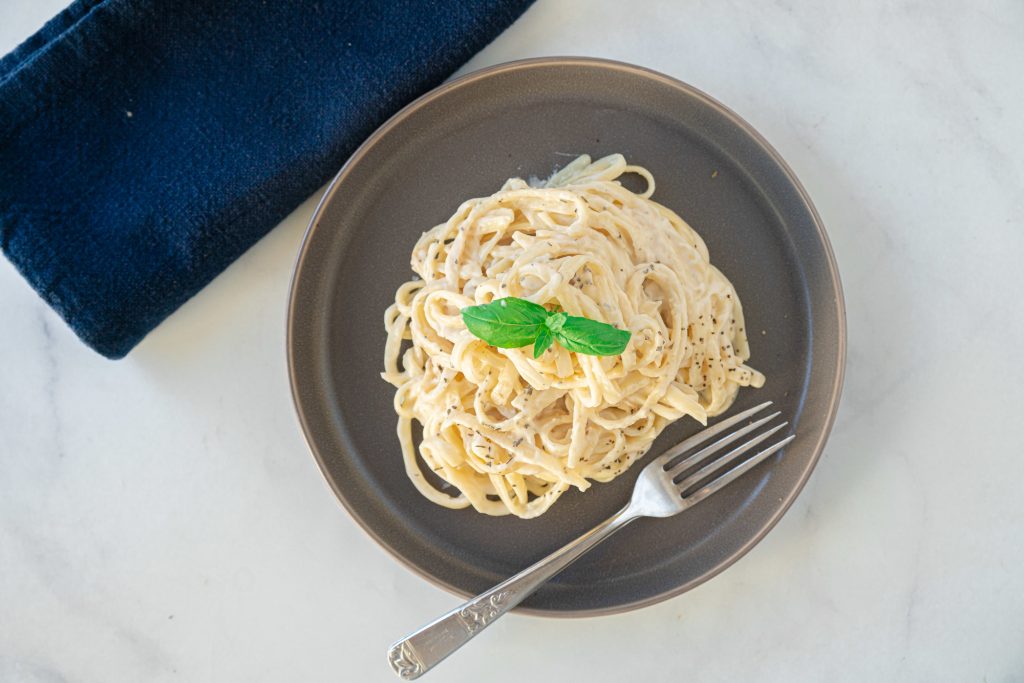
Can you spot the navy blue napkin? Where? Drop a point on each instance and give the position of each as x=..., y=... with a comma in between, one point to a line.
x=145, y=144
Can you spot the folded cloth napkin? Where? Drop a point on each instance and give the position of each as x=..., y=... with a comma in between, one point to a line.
x=145, y=144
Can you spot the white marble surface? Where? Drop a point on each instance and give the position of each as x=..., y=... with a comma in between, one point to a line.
x=161, y=520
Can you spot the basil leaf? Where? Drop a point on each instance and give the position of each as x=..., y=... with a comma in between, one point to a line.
x=507, y=323
x=512, y=323
x=556, y=320
x=544, y=340
x=591, y=337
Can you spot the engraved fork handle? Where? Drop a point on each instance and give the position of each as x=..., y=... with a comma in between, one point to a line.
x=417, y=654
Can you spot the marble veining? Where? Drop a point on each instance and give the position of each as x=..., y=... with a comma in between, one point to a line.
x=161, y=520
x=50, y=384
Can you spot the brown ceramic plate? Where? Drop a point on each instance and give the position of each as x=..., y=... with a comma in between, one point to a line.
x=528, y=118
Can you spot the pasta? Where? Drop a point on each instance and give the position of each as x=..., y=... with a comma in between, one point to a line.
x=509, y=433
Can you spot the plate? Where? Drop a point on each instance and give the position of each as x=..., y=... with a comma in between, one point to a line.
x=528, y=118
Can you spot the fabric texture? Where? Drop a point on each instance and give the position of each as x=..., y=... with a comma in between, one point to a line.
x=145, y=144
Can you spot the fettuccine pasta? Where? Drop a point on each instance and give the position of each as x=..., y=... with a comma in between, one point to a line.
x=509, y=433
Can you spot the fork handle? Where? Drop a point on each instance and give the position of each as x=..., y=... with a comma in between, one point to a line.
x=412, y=657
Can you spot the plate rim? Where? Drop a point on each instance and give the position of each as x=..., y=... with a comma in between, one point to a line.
x=385, y=128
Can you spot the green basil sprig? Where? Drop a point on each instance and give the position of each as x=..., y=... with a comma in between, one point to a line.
x=512, y=323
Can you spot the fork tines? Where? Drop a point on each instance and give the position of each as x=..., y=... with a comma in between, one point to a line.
x=716, y=462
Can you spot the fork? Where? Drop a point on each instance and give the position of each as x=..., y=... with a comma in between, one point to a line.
x=662, y=490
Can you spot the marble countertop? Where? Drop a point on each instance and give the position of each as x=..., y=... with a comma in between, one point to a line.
x=161, y=519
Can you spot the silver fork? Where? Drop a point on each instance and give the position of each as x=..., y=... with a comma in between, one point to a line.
x=656, y=494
